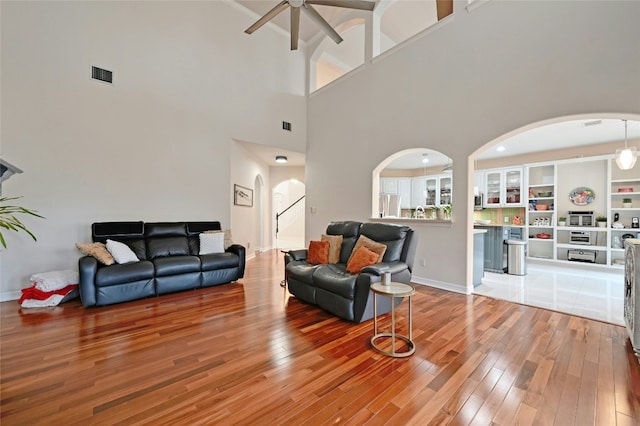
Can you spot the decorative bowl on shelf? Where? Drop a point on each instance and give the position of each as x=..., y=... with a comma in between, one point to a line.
x=545, y=194
x=542, y=207
x=543, y=236
x=625, y=189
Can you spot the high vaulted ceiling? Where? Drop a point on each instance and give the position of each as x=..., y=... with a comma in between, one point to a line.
x=308, y=28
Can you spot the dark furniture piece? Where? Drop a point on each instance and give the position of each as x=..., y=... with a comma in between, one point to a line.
x=342, y=293
x=169, y=262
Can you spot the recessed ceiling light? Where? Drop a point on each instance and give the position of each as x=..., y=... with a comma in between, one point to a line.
x=281, y=159
x=500, y=148
x=425, y=159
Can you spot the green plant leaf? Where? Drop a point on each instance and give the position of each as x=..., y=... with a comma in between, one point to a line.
x=9, y=221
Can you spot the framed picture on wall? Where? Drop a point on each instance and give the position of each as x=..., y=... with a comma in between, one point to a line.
x=242, y=196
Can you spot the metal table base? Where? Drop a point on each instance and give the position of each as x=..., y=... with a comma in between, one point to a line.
x=392, y=290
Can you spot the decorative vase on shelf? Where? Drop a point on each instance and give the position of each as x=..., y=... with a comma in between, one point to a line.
x=626, y=203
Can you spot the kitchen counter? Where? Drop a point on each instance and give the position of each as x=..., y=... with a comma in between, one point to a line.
x=499, y=225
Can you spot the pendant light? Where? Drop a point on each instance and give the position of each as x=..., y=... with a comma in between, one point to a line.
x=626, y=157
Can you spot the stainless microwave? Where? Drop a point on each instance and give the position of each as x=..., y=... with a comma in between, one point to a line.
x=585, y=238
x=477, y=202
x=581, y=218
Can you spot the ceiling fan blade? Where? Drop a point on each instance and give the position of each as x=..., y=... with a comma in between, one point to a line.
x=351, y=4
x=268, y=16
x=295, y=27
x=318, y=19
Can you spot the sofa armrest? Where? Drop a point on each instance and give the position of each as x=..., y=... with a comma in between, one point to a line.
x=290, y=255
x=240, y=251
x=87, y=268
x=381, y=268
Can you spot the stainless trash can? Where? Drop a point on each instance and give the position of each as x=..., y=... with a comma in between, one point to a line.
x=516, y=257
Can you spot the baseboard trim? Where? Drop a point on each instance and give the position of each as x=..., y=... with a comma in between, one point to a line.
x=10, y=295
x=439, y=284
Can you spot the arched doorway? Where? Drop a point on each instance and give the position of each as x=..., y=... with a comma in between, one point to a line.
x=289, y=214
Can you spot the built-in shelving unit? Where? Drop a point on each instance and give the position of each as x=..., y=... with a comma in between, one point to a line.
x=549, y=240
x=541, y=217
x=624, y=186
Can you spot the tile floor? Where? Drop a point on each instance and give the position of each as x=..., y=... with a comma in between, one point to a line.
x=586, y=292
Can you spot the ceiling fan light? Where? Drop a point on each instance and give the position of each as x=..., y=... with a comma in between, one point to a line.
x=626, y=158
x=281, y=159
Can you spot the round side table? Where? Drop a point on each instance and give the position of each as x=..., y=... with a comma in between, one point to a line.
x=392, y=290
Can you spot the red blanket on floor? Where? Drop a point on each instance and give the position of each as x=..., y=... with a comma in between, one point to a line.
x=33, y=293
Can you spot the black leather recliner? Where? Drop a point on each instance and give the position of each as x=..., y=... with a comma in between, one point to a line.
x=169, y=262
x=342, y=293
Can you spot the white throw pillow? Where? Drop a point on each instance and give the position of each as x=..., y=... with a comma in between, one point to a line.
x=121, y=252
x=211, y=243
x=228, y=241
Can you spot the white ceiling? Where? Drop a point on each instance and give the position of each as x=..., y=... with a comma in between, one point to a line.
x=267, y=154
x=551, y=137
x=567, y=134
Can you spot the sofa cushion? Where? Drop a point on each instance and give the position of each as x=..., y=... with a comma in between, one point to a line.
x=175, y=265
x=335, y=244
x=302, y=270
x=350, y=230
x=374, y=246
x=168, y=246
x=165, y=229
x=393, y=236
x=125, y=273
x=362, y=257
x=318, y=252
x=210, y=262
x=121, y=252
x=335, y=279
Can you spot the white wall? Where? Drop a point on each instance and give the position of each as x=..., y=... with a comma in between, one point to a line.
x=155, y=146
x=471, y=78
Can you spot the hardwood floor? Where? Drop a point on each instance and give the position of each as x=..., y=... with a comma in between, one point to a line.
x=244, y=353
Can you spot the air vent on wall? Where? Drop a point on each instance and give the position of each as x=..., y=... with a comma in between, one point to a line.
x=286, y=126
x=102, y=75
x=592, y=123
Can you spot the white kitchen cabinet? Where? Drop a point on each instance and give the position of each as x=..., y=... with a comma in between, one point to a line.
x=388, y=185
x=400, y=186
x=478, y=183
x=418, y=188
x=438, y=190
x=404, y=191
x=503, y=187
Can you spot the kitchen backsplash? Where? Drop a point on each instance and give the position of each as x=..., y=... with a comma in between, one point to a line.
x=496, y=216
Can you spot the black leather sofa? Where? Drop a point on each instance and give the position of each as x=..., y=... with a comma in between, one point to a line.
x=342, y=293
x=169, y=262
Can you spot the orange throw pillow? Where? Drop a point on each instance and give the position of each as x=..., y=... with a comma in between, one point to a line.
x=318, y=252
x=371, y=245
x=361, y=258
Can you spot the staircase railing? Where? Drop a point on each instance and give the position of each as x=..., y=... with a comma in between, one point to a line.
x=288, y=209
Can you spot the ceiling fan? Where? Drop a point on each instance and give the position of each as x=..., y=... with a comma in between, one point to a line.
x=306, y=6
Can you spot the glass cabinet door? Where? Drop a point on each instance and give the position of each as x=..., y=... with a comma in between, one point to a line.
x=432, y=191
x=492, y=188
x=513, y=187
x=445, y=191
